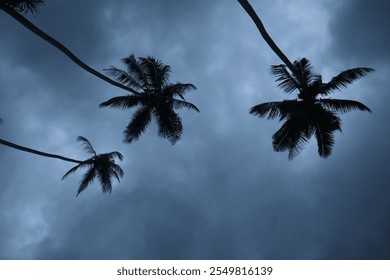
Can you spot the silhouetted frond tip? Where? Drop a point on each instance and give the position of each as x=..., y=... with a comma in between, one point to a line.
x=343, y=106
x=122, y=102
x=124, y=78
x=23, y=6
x=274, y=109
x=178, y=89
x=287, y=82
x=87, y=179
x=114, y=155
x=140, y=120
x=75, y=168
x=178, y=104
x=344, y=79
x=86, y=145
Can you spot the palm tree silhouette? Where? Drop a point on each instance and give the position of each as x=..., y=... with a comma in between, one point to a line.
x=102, y=166
x=23, y=6
x=306, y=115
x=13, y=7
x=148, y=77
x=309, y=115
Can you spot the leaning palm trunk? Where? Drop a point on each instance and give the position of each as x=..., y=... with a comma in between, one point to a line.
x=29, y=25
x=100, y=166
x=32, y=151
x=248, y=8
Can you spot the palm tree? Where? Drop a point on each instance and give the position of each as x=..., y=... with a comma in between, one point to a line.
x=23, y=6
x=309, y=115
x=102, y=166
x=306, y=115
x=155, y=96
x=13, y=7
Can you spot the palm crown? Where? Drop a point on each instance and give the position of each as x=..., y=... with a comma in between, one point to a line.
x=155, y=96
x=23, y=5
x=102, y=166
x=309, y=115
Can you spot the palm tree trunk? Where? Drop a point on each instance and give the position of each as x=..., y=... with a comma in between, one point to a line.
x=29, y=25
x=28, y=150
x=248, y=8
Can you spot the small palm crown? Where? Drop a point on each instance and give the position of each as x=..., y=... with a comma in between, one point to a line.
x=308, y=115
x=23, y=6
x=102, y=166
x=155, y=96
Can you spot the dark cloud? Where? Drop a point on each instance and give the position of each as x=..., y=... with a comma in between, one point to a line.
x=132, y=227
x=219, y=193
x=360, y=32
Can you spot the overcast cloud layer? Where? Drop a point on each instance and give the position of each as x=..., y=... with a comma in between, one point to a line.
x=221, y=192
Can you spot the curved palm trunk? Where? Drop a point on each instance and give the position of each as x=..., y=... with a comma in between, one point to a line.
x=28, y=150
x=248, y=8
x=29, y=25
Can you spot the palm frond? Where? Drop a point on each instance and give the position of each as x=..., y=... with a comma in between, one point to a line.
x=305, y=69
x=114, y=155
x=169, y=124
x=156, y=72
x=342, y=105
x=84, y=164
x=287, y=82
x=178, y=89
x=326, y=118
x=163, y=76
x=122, y=102
x=325, y=141
x=71, y=171
x=124, y=78
x=135, y=70
x=138, y=124
x=104, y=176
x=313, y=89
x=325, y=123
x=116, y=170
x=274, y=109
x=344, y=79
x=106, y=170
x=24, y=6
x=87, y=146
x=88, y=178
x=291, y=137
x=178, y=104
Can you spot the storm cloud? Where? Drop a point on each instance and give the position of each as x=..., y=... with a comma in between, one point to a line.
x=221, y=192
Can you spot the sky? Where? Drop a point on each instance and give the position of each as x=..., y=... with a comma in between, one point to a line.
x=221, y=192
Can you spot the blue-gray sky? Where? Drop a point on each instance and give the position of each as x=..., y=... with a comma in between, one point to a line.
x=221, y=192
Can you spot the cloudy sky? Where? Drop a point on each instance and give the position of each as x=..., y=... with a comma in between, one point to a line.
x=221, y=192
